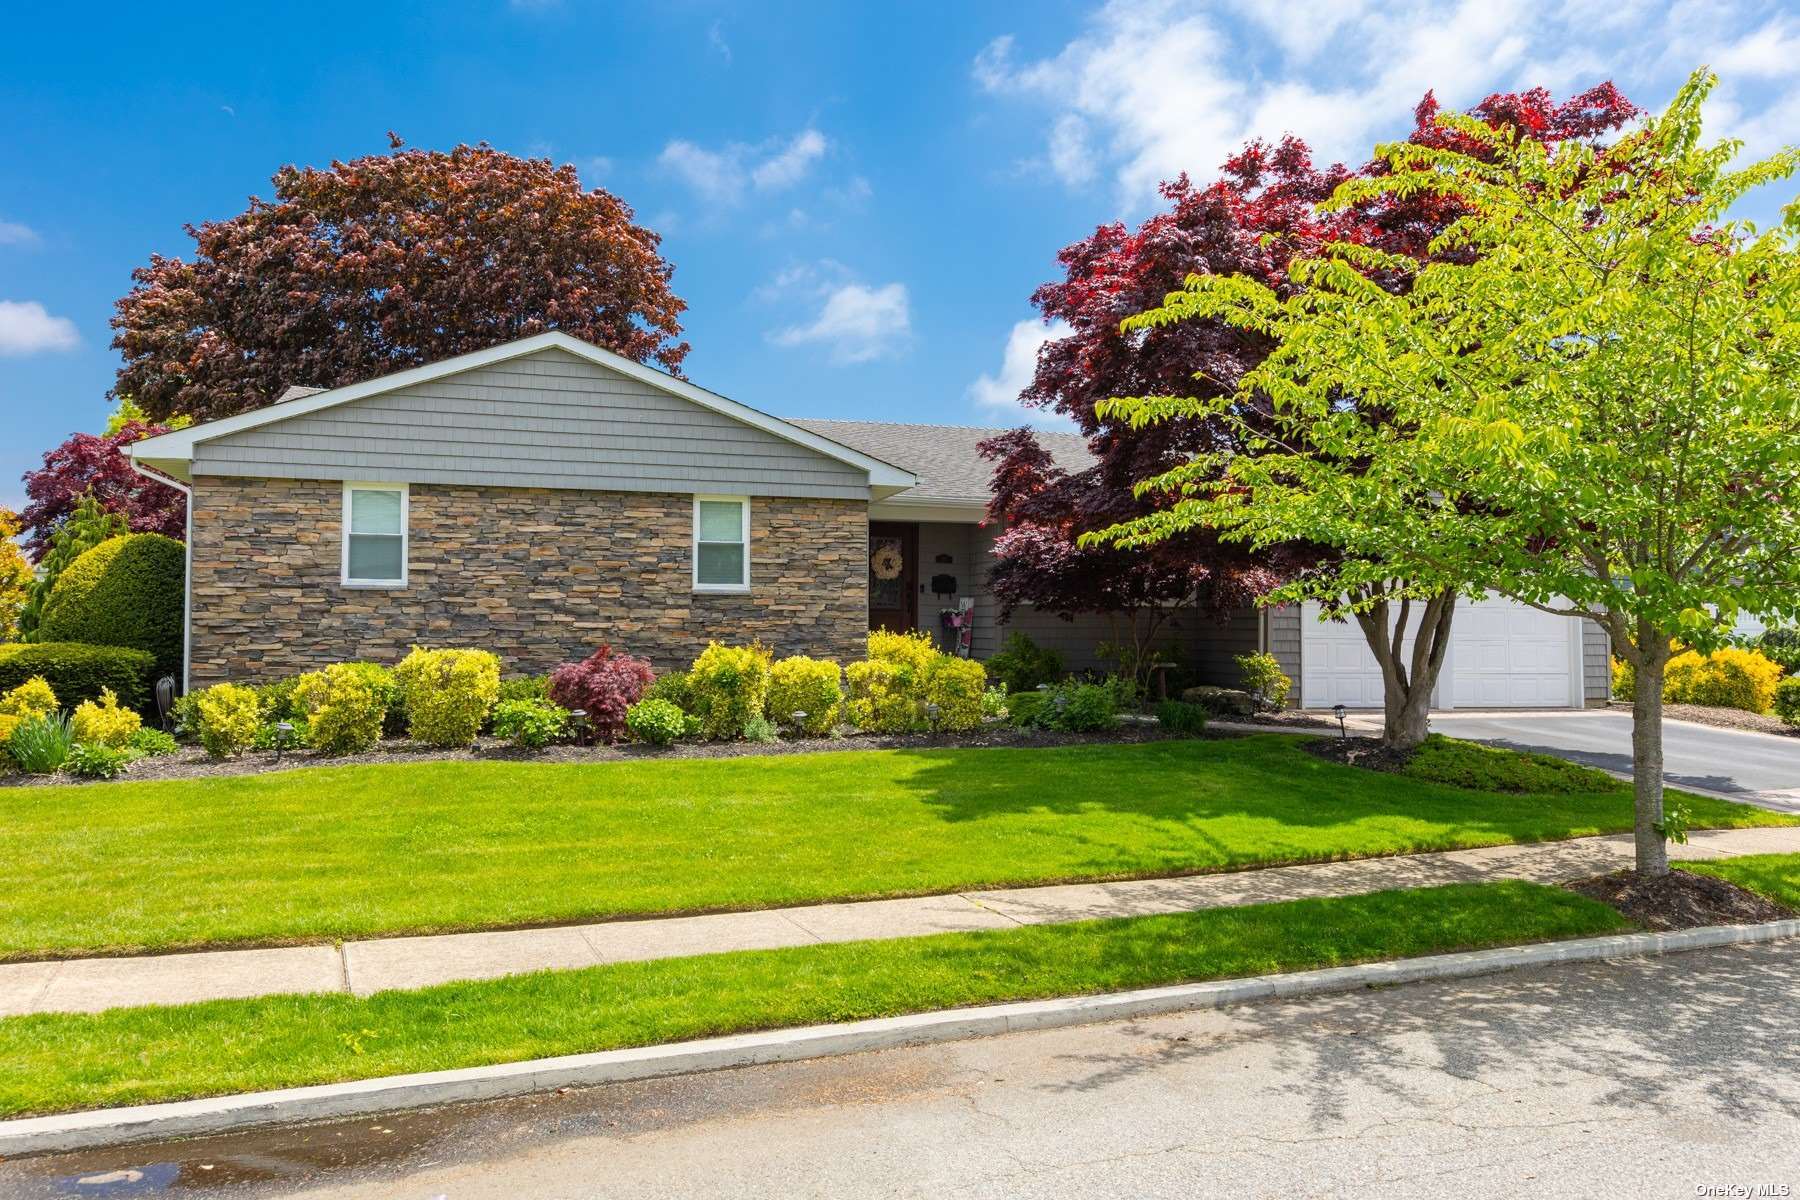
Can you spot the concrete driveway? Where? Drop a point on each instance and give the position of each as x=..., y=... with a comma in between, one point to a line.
x=1758, y=767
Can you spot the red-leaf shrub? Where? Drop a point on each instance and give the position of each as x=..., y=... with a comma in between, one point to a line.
x=603, y=685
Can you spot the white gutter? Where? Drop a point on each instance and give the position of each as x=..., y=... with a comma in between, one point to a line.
x=187, y=560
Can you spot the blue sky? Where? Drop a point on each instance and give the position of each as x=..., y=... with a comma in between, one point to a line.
x=858, y=200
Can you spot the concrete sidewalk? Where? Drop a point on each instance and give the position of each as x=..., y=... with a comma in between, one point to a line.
x=361, y=968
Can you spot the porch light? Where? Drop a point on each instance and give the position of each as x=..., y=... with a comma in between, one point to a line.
x=1338, y=710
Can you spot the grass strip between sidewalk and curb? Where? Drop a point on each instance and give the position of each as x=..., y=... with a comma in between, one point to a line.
x=1776, y=876
x=62, y=1062
x=351, y=852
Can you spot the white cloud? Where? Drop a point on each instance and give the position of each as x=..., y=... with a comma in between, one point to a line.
x=715, y=37
x=1151, y=88
x=790, y=165
x=858, y=323
x=723, y=176
x=26, y=328
x=997, y=396
x=596, y=169
x=14, y=234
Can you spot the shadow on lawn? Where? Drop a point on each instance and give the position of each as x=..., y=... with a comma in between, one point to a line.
x=1646, y=1035
x=1607, y=761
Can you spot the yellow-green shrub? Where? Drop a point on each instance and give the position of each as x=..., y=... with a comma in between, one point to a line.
x=344, y=708
x=228, y=715
x=910, y=651
x=33, y=698
x=955, y=685
x=447, y=693
x=808, y=685
x=105, y=723
x=882, y=697
x=1728, y=678
x=1624, y=678
x=729, y=686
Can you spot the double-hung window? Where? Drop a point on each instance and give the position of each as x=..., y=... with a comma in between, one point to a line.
x=721, y=544
x=375, y=534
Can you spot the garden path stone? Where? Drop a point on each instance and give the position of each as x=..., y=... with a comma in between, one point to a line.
x=91, y=985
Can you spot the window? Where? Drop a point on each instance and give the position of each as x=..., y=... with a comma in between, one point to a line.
x=721, y=544
x=375, y=534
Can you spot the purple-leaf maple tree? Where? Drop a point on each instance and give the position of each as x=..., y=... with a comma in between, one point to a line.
x=97, y=463
x=1260, y=213
x=386, y=262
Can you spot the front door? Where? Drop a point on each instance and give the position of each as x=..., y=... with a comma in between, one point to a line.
x=893, y=576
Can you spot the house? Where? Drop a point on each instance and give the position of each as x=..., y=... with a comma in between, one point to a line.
x=543, y=496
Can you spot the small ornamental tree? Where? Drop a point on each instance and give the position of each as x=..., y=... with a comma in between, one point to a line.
x=89, y=524
x=1264, y=210
x=15, y=576
x=604, y=685
x=1594, y=389
x=97, y=465
x=386, y=262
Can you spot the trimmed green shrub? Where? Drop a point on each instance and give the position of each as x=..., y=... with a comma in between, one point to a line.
x=86, y=527
x=343, y=705
x=675, y=687
x=805, y=685
x=104, y=723
x=1728, y=678
x=1022, y=665
x=152, y=742
x=32, y=698
x=91, y=760
x=657, y=722
x=226, y=717
x=1781, y=647
x=882, y=697
x=730, y=685
x=1178, y=716
x=760, y=729
x=124, y=592
x=1024, y=710
x=40, y=743
x=447, y=693
x=1069, y=707
x=955, y=685
x=1263, y=677
x=530, y=724
x=1787, y=700
x=78, y=671
x=524, y=687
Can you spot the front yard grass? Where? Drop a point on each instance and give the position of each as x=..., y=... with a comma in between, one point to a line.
x=347, y=852
x=56, y=1062
x=1776, y=876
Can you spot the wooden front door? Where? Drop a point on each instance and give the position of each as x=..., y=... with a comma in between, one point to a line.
x=893, y=576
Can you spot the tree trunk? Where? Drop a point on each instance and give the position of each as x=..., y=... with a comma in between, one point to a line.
x=1408, y=676
x=1647, y=762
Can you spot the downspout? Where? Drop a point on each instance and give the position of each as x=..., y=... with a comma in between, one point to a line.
x=187, y=561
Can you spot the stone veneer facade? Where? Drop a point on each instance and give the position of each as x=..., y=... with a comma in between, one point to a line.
x=538, y=576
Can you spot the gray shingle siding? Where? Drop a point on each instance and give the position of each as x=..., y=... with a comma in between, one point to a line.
x=1596, y=664
x=1284, y=644
x=548, y=420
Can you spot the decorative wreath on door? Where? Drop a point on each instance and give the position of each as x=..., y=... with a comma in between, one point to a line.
x=886, y=562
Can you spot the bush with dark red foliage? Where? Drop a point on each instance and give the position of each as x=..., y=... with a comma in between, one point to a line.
x=603, y=685
x=98, y=463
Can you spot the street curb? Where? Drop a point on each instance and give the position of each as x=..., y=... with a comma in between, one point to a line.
x=188, y=1118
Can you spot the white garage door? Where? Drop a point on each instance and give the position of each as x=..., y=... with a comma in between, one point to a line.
x=1502, y=655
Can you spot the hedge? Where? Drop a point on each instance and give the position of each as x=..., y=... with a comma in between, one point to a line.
x=124, y=592
x=76, y=671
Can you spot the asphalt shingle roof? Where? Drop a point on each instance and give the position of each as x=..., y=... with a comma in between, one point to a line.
x=944, y=457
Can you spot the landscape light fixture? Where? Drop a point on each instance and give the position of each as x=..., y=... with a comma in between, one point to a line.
x=1337, y=710
x=577, y=723
x=283, y=731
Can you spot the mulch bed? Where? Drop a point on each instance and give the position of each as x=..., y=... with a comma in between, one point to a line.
x=1281, y=720
x=1366, y=752
x=190, y=762
x=1726, y=718
x=1680, y=900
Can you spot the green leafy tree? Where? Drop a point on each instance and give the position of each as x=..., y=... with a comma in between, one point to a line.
x=86, y=527
x=1589, y=401
x=15, y=575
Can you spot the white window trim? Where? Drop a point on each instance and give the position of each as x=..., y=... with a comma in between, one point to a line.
x=405, y=534
x=694, y=547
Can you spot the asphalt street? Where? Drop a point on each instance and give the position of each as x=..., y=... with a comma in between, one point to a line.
x=1753, y=766
x=1646, y=1078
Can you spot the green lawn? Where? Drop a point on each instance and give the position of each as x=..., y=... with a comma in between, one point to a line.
x=345, y=852
x=56, y=1062
x=1776, y=876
